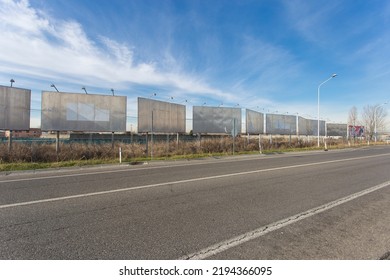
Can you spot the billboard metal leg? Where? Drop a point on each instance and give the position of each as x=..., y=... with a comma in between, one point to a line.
x=57, y=143
x=112, y=140
x=147, y=145
x=151, y=146
x=10, y=141
x=168, y=143
x=260, y=149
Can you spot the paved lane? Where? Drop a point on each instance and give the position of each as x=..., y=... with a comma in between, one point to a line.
x=169, y=210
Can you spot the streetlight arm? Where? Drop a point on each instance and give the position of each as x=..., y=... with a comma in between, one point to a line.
x=334, y=75
x=323, y=83
x=318, y=90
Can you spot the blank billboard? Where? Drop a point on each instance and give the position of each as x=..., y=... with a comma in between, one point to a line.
x=281, y=124
x=216, y=119
x=161, y=117
x=254, y=122
x=15, y=108
x=83, y=112
x=336, y=129
x=310, y=127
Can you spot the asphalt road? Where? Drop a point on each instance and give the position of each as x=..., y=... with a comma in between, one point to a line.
x=314, y=205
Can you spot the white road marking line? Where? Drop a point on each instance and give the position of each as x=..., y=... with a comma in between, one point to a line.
x=238, y=240
x=126, y=170
x=247, y=158
x=178, y=182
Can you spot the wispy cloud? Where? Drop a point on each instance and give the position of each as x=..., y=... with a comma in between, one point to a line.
x=36, y=45
x=312, y=19
x=261, y=57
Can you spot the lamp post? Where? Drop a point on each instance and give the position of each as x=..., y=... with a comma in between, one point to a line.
x=12, y=81
x=83, y=88
x=318, y=108
x=375, y=117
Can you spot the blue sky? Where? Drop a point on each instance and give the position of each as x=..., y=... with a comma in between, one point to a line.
x=266, y=55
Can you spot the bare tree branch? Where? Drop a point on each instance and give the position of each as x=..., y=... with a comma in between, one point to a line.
x=372, y=114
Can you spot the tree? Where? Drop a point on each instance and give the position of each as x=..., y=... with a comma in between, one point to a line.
x=353, y=116
x=372, y=113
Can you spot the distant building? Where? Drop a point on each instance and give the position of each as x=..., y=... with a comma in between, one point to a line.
x=32, y=133
x=53, y=134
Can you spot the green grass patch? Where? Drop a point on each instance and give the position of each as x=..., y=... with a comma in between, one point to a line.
x=18, y=166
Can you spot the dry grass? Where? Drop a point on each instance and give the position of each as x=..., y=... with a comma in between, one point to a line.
x=76, y=152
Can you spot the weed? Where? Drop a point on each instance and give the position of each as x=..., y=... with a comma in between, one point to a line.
x=43, y=155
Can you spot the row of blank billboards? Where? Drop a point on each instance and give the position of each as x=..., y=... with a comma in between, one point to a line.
x=105, y=113
x=280, y=124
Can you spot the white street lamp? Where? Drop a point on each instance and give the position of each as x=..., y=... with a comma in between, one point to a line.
x=375, y=117
x=318, y=108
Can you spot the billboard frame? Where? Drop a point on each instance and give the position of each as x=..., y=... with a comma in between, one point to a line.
x=216, y=120
x=155, y=116
x=253, y=126
x=65, y=111
x=15, y=108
